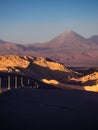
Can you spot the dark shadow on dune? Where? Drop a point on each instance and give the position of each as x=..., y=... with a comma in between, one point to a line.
x=84, y=70
x=90, y=83
x=4, y=76
x=36, y=73
x=40, y=72
x=89, y=71
x=33, y=83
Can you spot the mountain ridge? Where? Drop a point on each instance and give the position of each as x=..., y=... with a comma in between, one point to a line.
x=94, y=38
x=69, y=48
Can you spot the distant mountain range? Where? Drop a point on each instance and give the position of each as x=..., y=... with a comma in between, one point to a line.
x=69, y=48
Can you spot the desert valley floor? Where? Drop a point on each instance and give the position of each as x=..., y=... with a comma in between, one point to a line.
x=28, y=109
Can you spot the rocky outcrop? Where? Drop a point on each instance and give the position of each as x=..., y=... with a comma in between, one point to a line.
x=36, y=67
x=50, y=72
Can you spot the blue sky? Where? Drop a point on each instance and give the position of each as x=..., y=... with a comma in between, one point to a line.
x=29, y=21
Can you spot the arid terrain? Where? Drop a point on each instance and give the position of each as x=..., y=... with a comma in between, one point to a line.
x=48, y=64
x=28, y=108
x=68, y=48
x=50, y=72
x=40, y=93
x=43, y=86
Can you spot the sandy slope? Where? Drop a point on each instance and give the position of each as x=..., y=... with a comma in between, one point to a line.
x=88, y=81
x=28, y=109
x=48, y=71
x=35, y=67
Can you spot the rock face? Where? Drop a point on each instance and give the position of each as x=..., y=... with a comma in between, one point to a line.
x=35, y=67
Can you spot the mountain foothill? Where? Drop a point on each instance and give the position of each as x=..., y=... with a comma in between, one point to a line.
x=68, y=48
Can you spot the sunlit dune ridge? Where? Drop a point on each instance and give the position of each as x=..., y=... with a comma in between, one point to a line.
x=52, y=82
x=93, y=88
x=92, y=76
x=36, y=67
x=49, y=71
x=84, y=78
x=24, y=61
x=10, y=62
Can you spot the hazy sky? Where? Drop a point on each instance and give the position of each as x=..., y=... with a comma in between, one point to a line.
x=28, y=21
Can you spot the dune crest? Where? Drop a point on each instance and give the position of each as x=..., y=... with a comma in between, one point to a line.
x=52, y=82
x=49, y=71
x=93, y=88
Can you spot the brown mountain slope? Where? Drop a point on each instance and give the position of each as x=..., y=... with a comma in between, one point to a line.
x=11, y=48
x=94, y=38
x=68, y=48
x=71, y=49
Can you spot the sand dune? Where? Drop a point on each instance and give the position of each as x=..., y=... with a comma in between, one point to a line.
x=36, y=67
x=49, y=71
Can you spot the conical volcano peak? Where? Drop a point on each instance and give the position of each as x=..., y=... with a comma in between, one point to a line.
x=70, y=32
x=67, y=36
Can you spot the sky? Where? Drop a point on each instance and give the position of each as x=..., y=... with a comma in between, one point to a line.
x=31, y=21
